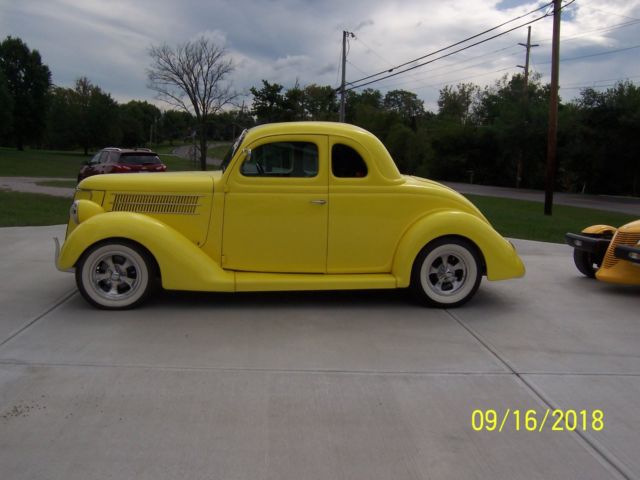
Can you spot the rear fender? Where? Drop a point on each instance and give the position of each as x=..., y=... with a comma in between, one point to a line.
x=183, y=265
x=500, y=257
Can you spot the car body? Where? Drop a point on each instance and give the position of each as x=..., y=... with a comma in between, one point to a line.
x=122, y=160
x=607, y=253
x=296, y=206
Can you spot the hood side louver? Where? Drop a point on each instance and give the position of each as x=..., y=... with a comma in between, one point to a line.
x=155, y=203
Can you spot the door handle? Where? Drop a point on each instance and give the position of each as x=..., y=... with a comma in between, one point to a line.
x=319, y=202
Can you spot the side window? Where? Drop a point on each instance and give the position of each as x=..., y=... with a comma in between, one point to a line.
x=282, y=159
x=347, y=163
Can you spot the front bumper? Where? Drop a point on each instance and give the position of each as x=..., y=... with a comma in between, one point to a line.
x=595, y=245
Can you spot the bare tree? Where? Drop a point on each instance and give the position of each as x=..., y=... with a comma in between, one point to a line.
x=192, y=77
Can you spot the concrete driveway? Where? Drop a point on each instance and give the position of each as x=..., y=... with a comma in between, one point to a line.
x=315, y=385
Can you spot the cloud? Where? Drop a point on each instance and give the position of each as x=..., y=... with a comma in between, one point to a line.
x=287, y=40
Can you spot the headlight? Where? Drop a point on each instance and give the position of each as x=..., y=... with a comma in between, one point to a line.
x=82, y=210
x=73, y=212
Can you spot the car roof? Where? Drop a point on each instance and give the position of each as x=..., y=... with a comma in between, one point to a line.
x=129, y=150
x=369, y=141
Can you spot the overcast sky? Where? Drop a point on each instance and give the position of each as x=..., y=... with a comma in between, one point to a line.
x=285, y=41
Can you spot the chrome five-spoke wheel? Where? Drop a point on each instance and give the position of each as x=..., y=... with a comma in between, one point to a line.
x=447, y=272
x=114, y=275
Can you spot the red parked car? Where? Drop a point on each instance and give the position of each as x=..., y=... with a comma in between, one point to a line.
x=121, y=160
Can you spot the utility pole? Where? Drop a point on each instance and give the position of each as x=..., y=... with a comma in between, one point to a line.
x=343, y=93
x=525, y=102
x=552, y=141
x=528, y=46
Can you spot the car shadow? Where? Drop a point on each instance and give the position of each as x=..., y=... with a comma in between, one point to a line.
x=316, y=299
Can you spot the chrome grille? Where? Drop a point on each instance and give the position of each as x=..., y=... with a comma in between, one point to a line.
x=620, y=238
x=153, y=203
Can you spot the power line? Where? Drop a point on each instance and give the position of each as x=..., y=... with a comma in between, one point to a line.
x=608, y=52
x=509, y=68
x=424, y=75
x=443, y=56
x=615, y=80
x=468, y=67
x=458, y=43
x=372, y=51
x=608, y=13
x=602, y=29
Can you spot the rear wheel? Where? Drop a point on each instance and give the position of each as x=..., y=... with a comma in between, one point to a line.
x=115, y=275
x=446, y=273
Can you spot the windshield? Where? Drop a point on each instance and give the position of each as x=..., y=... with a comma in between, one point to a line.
x=232, y=151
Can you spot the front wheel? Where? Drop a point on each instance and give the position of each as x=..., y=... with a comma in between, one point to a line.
x=446, y=273
x=585, y=263
x=115, y=275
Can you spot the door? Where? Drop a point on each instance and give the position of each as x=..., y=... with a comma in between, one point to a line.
x=276, y=211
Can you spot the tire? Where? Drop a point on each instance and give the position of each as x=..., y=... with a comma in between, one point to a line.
x=585, y=263
x=446, y=273
x=115, y=275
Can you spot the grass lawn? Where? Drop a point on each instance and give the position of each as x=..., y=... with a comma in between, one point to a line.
x=165, y=148
x=58, y=183
x=218, y=151
x=40, y=163
x=526, y=220
x=23, y=209
x=177, y=164
x=49, y=163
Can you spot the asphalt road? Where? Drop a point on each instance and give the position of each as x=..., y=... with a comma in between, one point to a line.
x=629, y=205
x=315, y=385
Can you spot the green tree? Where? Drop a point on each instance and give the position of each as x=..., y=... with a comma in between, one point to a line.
x=268, y=102
x=517, y=120
x=63, y=119
x=176, y=125
x=28, y=81
x=98, y=124
x=6, y=107
x=456, y=103
x=605, y=142
x=139, y=123
x=406, y=105
x=320, y=102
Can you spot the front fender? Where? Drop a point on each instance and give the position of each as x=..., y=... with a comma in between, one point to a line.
x=600, y=230
x=183, y=266
x=500, y=256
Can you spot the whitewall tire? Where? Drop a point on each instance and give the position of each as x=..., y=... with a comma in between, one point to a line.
x=115, y=275
x=447, y=272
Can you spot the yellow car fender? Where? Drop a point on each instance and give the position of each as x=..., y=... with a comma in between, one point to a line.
x=183, y=266
x=600, y=229
x=500, y=256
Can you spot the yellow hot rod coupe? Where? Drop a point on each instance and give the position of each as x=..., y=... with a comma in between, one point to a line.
x=607, y=253
x=296, y=206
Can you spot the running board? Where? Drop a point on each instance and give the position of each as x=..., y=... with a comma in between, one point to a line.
x=265, y=282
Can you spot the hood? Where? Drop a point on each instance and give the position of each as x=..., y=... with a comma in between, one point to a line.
x=632, y=227
x=196, y=182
